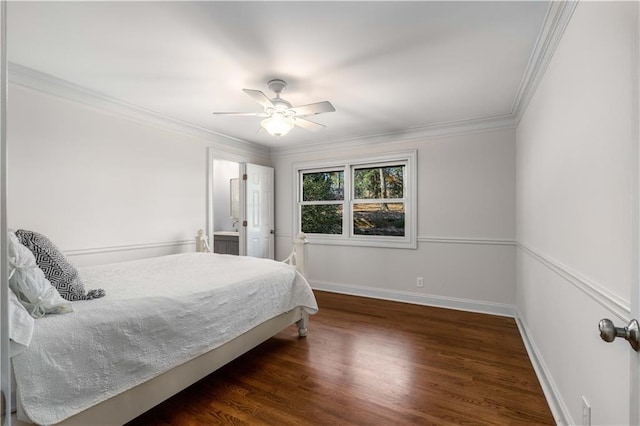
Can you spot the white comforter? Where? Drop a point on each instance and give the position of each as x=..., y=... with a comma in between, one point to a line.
x=157, y=313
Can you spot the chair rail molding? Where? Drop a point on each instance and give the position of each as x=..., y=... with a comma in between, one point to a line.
x=446, y=240
x=612, y=302
x=128, y=247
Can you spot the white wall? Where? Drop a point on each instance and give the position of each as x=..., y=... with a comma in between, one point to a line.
x=466, y=226
x=104, y=188
x=576, y=189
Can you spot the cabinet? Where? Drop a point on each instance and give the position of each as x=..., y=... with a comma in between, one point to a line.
x=225, y=243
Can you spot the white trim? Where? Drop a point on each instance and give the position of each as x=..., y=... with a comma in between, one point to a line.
x=416, y=298
x=467, y=240
x=445, y=240
x=618, y=306
x=558, y=408
x=634, y=294
x=558, y=16
x=460, y=127
x=129, y=247
x=556, y=20
x=5, y=346
x=560, y=412
x=46, y=83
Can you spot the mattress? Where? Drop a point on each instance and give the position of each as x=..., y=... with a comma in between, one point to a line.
x=157, y=314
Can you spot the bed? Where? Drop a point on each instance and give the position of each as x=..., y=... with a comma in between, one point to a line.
x=164, y=324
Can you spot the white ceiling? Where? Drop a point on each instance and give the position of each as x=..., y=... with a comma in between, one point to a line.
x=386, y=66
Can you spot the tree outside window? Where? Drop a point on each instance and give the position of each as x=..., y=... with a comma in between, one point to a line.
x=322, y=202
x=378, y=207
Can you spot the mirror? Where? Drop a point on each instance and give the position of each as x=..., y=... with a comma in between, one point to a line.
x=234, y=198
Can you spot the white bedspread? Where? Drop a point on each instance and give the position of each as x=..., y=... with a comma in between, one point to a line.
x=157, y=313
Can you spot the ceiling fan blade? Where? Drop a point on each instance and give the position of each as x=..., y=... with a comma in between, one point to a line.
x=311, y=109
x=253, y=114
x=259, y=97
x=308, y=124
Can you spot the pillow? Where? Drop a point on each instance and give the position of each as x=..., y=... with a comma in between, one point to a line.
x=62, y=274
x=29, y=284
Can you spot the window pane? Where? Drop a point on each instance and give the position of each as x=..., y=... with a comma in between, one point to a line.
x=323, y=186
x=378, y=219
x=379, y=182
x=322, y=219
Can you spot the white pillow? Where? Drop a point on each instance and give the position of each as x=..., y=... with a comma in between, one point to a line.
x=21, y=325
x=29, y=284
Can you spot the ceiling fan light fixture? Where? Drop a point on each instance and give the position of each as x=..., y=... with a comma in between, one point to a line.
x=280, y=115
x=277, y=125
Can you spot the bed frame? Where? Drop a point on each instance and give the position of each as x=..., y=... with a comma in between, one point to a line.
x=130, y=404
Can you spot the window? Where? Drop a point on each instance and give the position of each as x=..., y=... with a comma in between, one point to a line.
x=369, y=201
x=322, y=202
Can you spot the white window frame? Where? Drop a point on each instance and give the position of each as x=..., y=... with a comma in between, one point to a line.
x=348, y=238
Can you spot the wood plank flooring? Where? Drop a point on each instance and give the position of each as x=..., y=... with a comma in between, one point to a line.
x=372, y=362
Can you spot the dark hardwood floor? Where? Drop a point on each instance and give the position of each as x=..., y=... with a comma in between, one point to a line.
x=372, y=362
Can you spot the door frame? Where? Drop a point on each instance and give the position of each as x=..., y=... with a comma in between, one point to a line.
x=213, y=154
x=5, y=360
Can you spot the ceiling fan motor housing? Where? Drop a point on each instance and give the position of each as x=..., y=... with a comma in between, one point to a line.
x=277, y=86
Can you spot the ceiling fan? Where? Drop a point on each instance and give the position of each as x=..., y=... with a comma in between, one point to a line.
x=280, y=115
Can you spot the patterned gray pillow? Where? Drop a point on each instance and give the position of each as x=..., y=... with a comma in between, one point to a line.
x=62, y=274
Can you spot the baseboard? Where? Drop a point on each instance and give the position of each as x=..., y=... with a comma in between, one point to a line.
x=552, y=394
x=558, y=408
x=416, y=298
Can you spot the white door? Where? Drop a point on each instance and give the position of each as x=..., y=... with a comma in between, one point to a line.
x=631, y=331
x=258, y=214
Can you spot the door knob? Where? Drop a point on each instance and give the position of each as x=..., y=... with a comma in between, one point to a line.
x=631, y=333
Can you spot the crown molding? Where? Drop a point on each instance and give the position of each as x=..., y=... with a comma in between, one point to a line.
x=32, y=79
x=556, y=20
x=452, y=128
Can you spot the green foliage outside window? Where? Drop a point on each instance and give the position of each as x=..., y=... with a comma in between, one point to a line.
x=322, y=218
x=323, y=186
x=377, y=212
x=379, y=182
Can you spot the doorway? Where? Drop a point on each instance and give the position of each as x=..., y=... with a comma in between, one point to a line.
x=240, y=207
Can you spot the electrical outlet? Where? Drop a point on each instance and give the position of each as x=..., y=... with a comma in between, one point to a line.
x=586, y=412
x=420, y=282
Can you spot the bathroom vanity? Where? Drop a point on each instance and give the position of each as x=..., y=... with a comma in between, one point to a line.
x=226, y=242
